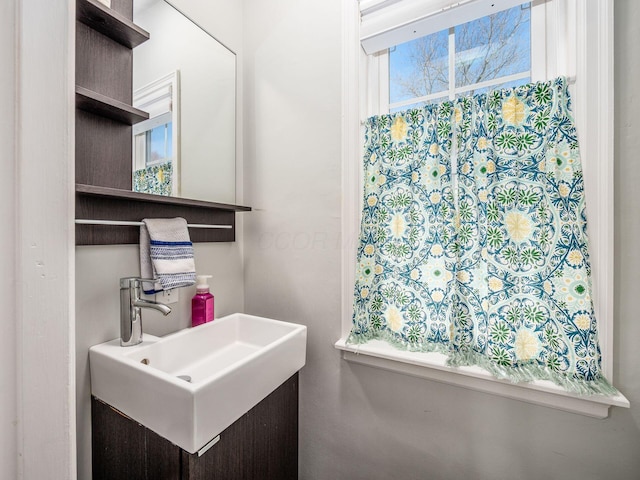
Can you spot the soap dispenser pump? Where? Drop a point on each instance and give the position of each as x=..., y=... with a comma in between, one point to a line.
x=202, y=302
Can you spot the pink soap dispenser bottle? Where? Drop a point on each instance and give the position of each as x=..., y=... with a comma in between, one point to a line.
x=202, y=302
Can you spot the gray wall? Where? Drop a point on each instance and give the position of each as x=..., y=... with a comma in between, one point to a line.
x=363, y=423
x=98, y=268
x=8, y=340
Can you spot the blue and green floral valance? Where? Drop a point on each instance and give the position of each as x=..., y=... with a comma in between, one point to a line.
x=156, y=179
x=473, y=238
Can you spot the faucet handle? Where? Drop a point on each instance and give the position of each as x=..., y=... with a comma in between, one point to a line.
x=134, y=282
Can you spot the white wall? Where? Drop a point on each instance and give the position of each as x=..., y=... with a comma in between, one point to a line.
x=357, y=422
x=8, y=377
x=221, y=18
x=627, y=206
x=37, y=428
x=98, y=268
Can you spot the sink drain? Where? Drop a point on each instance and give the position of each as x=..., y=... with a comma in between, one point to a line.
x=186, y=378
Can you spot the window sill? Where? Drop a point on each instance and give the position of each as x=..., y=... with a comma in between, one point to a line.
x=433, y=366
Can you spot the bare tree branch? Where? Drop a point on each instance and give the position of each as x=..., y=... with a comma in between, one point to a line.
x=485, y=49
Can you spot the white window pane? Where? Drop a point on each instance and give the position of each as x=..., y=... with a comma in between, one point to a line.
x=160, y=144
x=419, y=67
x=140, y=148
x=494, y=46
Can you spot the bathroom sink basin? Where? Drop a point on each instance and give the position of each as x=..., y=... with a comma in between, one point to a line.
x=191, y=385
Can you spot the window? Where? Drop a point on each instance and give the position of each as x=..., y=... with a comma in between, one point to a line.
x=558, y=45
x=490, y=52
x=155, y=141
x=493, y=51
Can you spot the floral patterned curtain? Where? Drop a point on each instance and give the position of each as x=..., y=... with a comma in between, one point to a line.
x=473, y=237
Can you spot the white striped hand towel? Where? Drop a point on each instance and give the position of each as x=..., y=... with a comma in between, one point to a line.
x=166, y=253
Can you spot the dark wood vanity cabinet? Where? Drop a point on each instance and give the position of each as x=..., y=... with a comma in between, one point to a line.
x=262, y=444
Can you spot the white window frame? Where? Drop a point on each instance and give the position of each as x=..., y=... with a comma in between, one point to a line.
x=141, y=141
x=574, y=28
x=161, y=99
x=382, y=90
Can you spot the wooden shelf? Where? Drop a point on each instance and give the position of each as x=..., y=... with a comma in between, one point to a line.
x=102, y=105
x=110, y=23
x=116, y=193
x=105, y=203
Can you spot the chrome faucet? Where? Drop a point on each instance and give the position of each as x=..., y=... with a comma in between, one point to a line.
x=130, y=310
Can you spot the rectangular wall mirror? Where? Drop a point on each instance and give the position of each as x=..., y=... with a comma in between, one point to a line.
x=186, y=80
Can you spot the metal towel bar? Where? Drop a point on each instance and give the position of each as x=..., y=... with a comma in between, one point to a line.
x=122, y=223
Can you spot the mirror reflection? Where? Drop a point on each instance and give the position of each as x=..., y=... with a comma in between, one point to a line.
x=186, y=80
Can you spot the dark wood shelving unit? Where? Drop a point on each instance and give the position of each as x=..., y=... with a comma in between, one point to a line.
x=126, y=195
x=110, y=23
x=104, y=203
x=105, y=38
x=104, y=106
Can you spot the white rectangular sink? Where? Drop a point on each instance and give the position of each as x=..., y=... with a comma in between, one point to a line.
x=227, y=367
